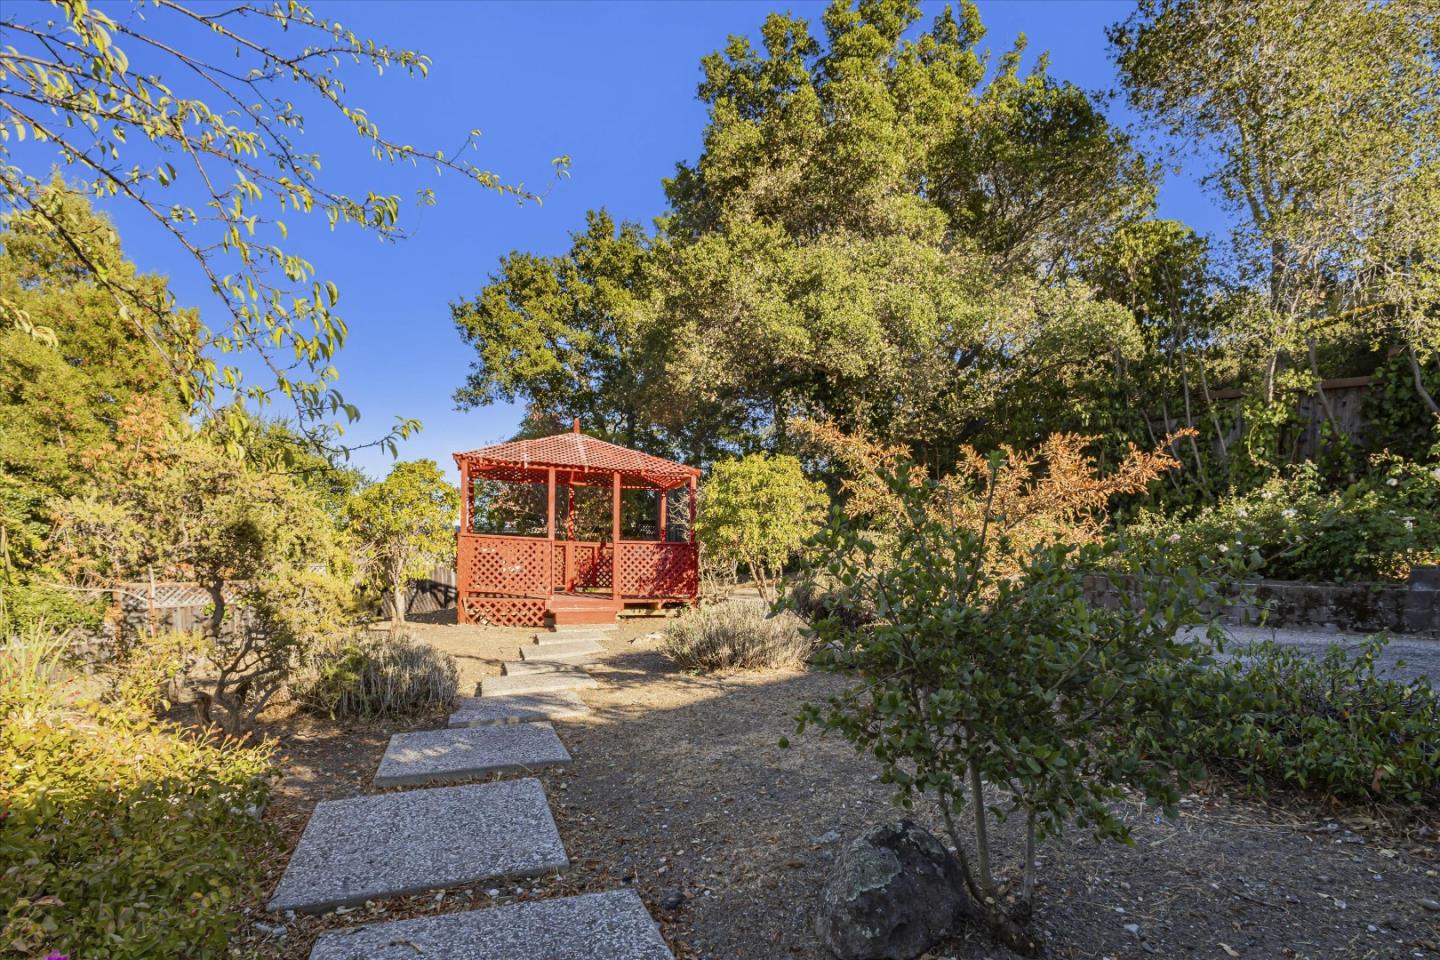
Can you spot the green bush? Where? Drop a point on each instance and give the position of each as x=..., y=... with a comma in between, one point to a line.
x=24, y=605
x=735, y=636
x=1275, y=717
x=122, y=836
x=374, y=675
x=1375, y=529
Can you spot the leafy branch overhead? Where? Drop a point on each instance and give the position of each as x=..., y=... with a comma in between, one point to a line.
x=196, y=116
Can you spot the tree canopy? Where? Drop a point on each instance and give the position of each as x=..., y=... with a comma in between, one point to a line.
x=195, y=116
x=873, y=233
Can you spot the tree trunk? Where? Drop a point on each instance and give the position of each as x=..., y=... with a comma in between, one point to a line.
x=1419, y=378
x=984, y=878
x=397, y=589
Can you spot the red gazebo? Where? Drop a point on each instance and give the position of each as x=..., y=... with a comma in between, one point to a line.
x=518, y=580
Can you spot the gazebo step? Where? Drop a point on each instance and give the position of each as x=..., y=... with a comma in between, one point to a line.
x=593, y=926
x=570, y=651
x=536, y=683
x=520, y=708
x=430, y=756
x=573, y=609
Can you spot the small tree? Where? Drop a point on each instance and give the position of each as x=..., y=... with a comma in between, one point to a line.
x=977, y=661
x=182, y=507
x=758, y=511
x=404, y=524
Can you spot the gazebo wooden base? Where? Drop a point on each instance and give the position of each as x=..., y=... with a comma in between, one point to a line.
x=561, y=610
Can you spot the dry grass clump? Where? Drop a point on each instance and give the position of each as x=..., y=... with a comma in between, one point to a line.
x=374, y=675
x=735, y=636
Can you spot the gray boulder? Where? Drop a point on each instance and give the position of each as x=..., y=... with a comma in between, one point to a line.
x=894, y=893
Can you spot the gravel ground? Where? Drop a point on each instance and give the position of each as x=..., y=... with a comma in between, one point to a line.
x=1404, y=657
x=678, y=789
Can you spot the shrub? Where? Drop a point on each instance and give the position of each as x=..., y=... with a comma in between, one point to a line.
x=974, y=659
x=24, y=605
x=375, y=675
x=404, y=525
x=1374, y=529
x=1275, y=717
x=123, y=836
x=758, y=510
x=144, y=678
x=735, y=636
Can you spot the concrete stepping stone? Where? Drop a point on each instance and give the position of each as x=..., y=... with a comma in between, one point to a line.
x=556, y=651
x=574, y=679
x=393, y=844
x=427, y=756
x=520, y=708
x=566, y=639
x=529, y=668
x=594, y=926
x=567, y=628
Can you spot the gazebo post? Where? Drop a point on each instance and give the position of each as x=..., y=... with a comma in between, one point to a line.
x=465, y=496
x=694, y=551
x=691, y=484
x=615, y=536
x=664, y=495
x=570, y=531
x=461, y=573
x=550, y=530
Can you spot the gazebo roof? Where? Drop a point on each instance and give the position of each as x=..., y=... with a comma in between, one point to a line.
x=584, y=458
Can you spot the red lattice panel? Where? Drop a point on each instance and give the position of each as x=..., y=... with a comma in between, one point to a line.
x=508, y=565
x=505, y=611
x=592, y=566
x=658, y=570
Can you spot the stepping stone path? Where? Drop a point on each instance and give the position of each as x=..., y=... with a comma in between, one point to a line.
x=575, y=651
x=573, y=678
x=464, y=754
x=393, y=844
x=594, y=926
x=519, y=708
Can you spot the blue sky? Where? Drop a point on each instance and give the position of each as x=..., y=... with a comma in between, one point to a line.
x=610, y=84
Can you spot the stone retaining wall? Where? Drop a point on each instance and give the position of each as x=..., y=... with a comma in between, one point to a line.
x=1410, y=608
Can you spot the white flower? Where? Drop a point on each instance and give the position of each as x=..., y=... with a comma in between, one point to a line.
x=1241, y=512
x=1224, y=548
x=1435, y=473
x=1174, y=538
x=1393, y=482
x=1288, y=513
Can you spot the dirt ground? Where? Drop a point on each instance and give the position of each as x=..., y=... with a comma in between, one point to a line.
x=678, y=788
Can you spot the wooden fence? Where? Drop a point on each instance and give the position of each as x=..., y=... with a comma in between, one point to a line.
x=186, y=606
x=430, y=594
x=165, y=605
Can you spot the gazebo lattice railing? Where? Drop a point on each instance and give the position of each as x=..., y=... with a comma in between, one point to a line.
x=516, y=580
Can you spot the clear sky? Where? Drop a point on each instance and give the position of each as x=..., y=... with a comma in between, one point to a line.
x=610, y=84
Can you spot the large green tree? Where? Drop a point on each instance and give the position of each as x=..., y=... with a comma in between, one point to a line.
x=1319, y=124
x=873, y=233
x=63, y=393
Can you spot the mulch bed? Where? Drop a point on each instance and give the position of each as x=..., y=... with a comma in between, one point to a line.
x=678, y=788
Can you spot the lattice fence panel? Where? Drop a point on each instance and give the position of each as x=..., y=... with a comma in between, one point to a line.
x=592, y=566
x=657, y=570
x=509, y=565
x=505, y=611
